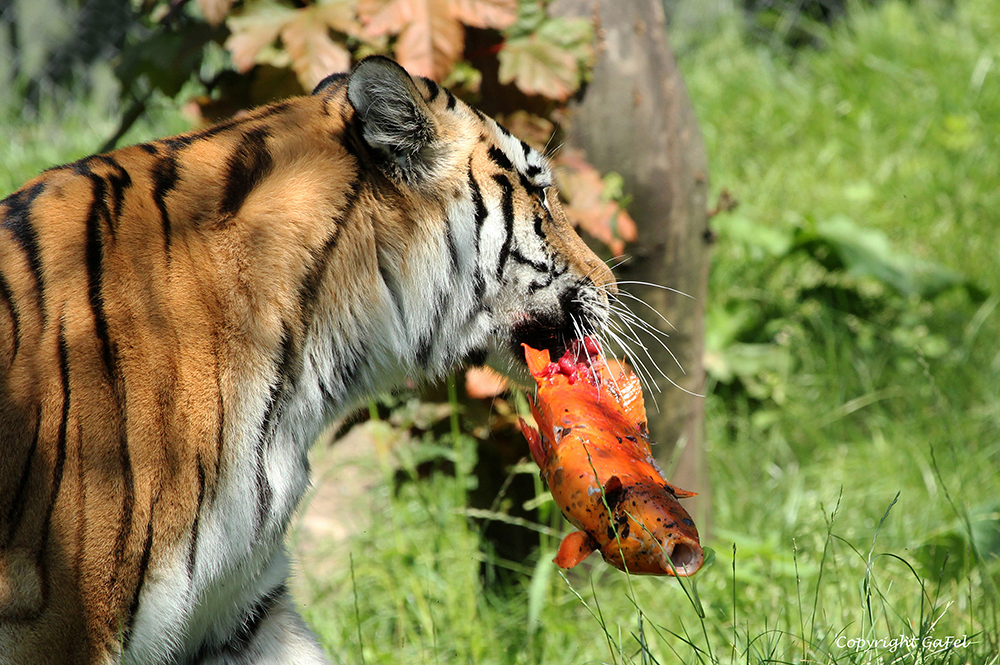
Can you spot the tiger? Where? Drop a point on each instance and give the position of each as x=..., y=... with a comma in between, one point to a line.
x=180, y=319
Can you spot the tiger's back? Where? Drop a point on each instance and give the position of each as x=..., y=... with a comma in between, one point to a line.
x=182, y=317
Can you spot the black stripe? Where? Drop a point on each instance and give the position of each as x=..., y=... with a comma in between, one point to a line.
x=149, y=148
x=15, y=318
x=94, y=259
x=255, y=616
x=538, y=285
x=426, y=343
x=337, y=79
x=507, y=206
x=479, y=114
x=479, y=290
x=18, y=220
x=128, y=503
x=147, y=549
x=526, y=148
x=533, y=170
x=16, y=511
x=265, y=493
x=478, y=305
x=480, y=206
x=174, y=143
x=352, y=364
x=452, y=247
x=192, y=548
x=164, y=180
x=275, y=406
x=119, y=181
x=433, y=89
x=60, y=462
x=237, y=644
x=530, y=187
x=451, y=99
x=504, y=130
x=309, y=290
x=324, y=389
x=247, y=167
x=538, y=227
x=283, y=377
x=395, y=295
x=524, y=260
x=220, y=432
x=501, y=159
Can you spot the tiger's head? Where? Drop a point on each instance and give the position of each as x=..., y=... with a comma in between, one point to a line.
x=490, y=261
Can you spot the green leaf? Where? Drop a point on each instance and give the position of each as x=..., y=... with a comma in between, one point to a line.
x=539, y=590
x=539, y=67
x=166, y=60
x=549, y=60
x=839, y=244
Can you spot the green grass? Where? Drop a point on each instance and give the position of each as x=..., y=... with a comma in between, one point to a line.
x=67, y=128
x=856, y=484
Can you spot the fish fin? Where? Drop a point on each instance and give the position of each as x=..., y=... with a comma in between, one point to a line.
x=679, y=493
x=537, y=360
x=534, y=444
x=574, y=548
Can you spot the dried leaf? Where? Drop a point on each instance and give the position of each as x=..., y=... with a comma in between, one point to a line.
x=588, y=205
x=314, y=54
x=539, y=67
x=215, y=10
x=497, y=14
x=340, y=15
x=387, y=17
x=483, y=383
x=431, y=37
x=254, y=30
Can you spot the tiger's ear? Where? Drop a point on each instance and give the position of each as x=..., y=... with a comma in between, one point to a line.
x=395, y=120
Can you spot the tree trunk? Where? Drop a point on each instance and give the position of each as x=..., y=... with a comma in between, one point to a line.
x=635, y=118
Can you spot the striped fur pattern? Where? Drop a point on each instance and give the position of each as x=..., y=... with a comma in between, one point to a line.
x=179, y=319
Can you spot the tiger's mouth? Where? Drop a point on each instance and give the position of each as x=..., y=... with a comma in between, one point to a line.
x=556, y=332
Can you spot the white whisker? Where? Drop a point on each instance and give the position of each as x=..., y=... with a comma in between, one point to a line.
x=655, y=333
x=646, y=304
x=656, y=286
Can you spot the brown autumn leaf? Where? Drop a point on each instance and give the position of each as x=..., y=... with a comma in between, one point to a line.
x=305, y=34
x=314, y=54
x=483, y=383
x=539, y=67
x=587, y=204
x=215, y=10
x=497, y=14
x=254, y=30
x=430, y=33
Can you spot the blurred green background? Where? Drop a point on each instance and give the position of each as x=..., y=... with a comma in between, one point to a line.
x=853, y=349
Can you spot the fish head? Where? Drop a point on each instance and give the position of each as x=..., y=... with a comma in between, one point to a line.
x=649, y=532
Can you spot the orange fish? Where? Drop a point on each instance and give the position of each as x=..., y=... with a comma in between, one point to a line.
x=593, y=450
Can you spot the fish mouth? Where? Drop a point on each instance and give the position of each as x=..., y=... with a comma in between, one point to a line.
x=683, y=558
